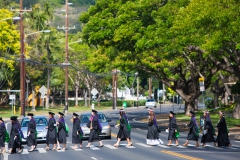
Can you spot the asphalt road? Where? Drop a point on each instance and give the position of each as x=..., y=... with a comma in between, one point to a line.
x=139, y=150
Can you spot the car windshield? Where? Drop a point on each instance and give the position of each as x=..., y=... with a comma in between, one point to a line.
x=150, y=100
x=85, y=118
x=39, y=122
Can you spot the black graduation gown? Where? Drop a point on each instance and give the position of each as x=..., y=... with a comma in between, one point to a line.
x=31, y=139
x=152, y=131
x=14, y=132
x=123, y=132
x=52, y=132
x=192, y=135
x=76, y=139
x=172, y=127
x=62, y=133
x=94, y=132
x=222, y=137
x=208, y=137
x=2, y=135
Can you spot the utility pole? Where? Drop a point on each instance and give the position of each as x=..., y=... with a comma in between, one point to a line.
x=21, y=11
x=66, y=63
x=137, y=91
x=114, y=88
x=150, y=88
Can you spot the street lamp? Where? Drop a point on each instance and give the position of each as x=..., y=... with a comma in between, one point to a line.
x=12, y=18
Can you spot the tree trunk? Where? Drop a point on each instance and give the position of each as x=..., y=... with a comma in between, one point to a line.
x=89, y=100
x=48, y=87
x=189, y=106
x=85, y=97
x=216, y=95
x=76, y=96
x=236, y=111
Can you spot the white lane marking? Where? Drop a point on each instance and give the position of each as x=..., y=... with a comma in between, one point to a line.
x=110, y=146
x=41, y=150
x=25, y=151
x=144, y=145
x=5, y=156
x=163, y=146
x=125, y=145
x=181, y=146
x=79, y=149
x=237, y=141
x=94, y=147
x=61, y=150
x=94, y=158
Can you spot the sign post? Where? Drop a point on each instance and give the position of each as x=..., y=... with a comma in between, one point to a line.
x=202, y=88
x=94, y=92
x=43, y=90
x=12, y=97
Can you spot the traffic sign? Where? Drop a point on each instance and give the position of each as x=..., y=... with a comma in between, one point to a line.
x=201, y=79
x=202, y=88
x=94, y=91
x=12, y=96
x=43, y=91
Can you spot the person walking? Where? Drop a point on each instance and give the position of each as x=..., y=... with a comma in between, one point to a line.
x=62, y=132
x=208, y=131
x=95, y=129
x=2, y=136
x=153, y=130
x=222, y=137
x=193, y=130
x=76, y=131
x=15, y=138
x=172, y=129
x=31, y=133
x=124, y=129
x=51, y=137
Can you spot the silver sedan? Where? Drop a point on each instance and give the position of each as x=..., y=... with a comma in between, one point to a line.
x=106, y=128
x=41, y=124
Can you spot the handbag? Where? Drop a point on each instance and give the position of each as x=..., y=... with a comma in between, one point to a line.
x=158, y=129
x=177, y=134
x=6, y=136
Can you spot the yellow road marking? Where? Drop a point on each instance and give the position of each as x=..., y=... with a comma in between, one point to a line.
x=181, y=155
x=113, y=135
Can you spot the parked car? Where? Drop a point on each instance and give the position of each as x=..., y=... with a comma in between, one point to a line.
x=41, y=124
x=106, y=128
x=150, y=103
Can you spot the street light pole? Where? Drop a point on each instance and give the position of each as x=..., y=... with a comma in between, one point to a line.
x=22, y=63
x=66, y=63
x=21, y=11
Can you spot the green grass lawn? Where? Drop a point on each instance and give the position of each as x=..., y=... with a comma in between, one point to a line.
x=214, y=117
x=6, y=112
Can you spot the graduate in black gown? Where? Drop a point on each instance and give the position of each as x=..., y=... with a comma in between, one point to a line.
x=152, y=134
x=15, y=139
x=52, y=132
x=95, y=129
x=76, y=131
x=172, y=129
x=124, y=131
x=208, y=131
x=2, y=136
x=193, y=130
x=31, y=133
x=62, y=132
x=222, y=137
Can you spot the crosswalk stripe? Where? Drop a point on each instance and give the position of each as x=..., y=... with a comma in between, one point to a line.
x=41, y=150
x=25, y=151
x=181, y=146
x=144, y=145
x=163, y=146
x=61, y=150
x=94, y=147
x=79, y=149
x=125, y=145
x=110, y=146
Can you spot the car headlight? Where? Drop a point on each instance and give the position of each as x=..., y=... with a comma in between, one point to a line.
x=106, y=127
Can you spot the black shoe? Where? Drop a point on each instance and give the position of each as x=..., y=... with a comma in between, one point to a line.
x=101, y=145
